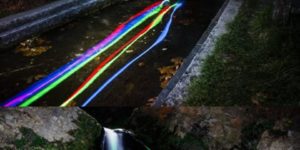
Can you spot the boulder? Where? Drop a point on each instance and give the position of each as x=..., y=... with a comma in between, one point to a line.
x=47, y=128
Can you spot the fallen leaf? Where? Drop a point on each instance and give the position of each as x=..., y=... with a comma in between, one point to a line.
x=167, y=72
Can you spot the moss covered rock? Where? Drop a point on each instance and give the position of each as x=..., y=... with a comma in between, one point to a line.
x=48, y=128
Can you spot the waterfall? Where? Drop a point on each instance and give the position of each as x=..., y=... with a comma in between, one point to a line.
x=113, y=140
x=120, y=139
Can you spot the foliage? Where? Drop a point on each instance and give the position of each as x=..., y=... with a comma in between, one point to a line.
x=255, y=63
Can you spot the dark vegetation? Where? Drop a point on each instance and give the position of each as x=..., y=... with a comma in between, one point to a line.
x=153, y=128
x=8, y=7
x=155, y=133
x=252, y=133
x=255, y=63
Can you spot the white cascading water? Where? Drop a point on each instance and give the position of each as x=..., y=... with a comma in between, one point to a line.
x=113, y=140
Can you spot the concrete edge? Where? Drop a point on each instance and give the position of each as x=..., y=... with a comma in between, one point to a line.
x=14, y=20
x=25, y=29
x=197, y=49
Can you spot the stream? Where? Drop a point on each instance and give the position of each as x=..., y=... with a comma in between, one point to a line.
x=137, y=85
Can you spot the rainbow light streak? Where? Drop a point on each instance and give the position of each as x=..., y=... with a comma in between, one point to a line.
x=65, y=76
x=57, y=82
x=65, y=71
x=109, y=60
x=160, y=39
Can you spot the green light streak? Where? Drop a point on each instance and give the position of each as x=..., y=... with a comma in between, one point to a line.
x=156, y=21
x=61, y=79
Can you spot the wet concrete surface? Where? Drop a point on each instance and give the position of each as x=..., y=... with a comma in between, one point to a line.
x=18, y=27
x=136, y=85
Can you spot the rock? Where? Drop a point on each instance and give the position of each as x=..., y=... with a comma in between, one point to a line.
x=271, y=142
x=281, y=137
x=42, y=128
x=218, y=128
x=221, y=127
x=192, y=127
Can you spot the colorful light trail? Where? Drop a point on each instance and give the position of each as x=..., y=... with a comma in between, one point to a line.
x=112, y=58
x=43, y=86
x=65, y=76
x=160, y=39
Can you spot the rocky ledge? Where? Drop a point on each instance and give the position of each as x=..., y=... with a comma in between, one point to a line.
x=51, y=128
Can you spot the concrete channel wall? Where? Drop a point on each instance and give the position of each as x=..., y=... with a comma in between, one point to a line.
x=16, y=28
x=177, y=90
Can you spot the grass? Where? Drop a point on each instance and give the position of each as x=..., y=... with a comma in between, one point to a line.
x=255, y=63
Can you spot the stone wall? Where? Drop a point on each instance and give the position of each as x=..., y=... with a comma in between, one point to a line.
x=17, y=27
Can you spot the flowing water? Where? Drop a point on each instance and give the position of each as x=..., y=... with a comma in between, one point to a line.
x=119, y=139
x=112, y=140
x=137, y=84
